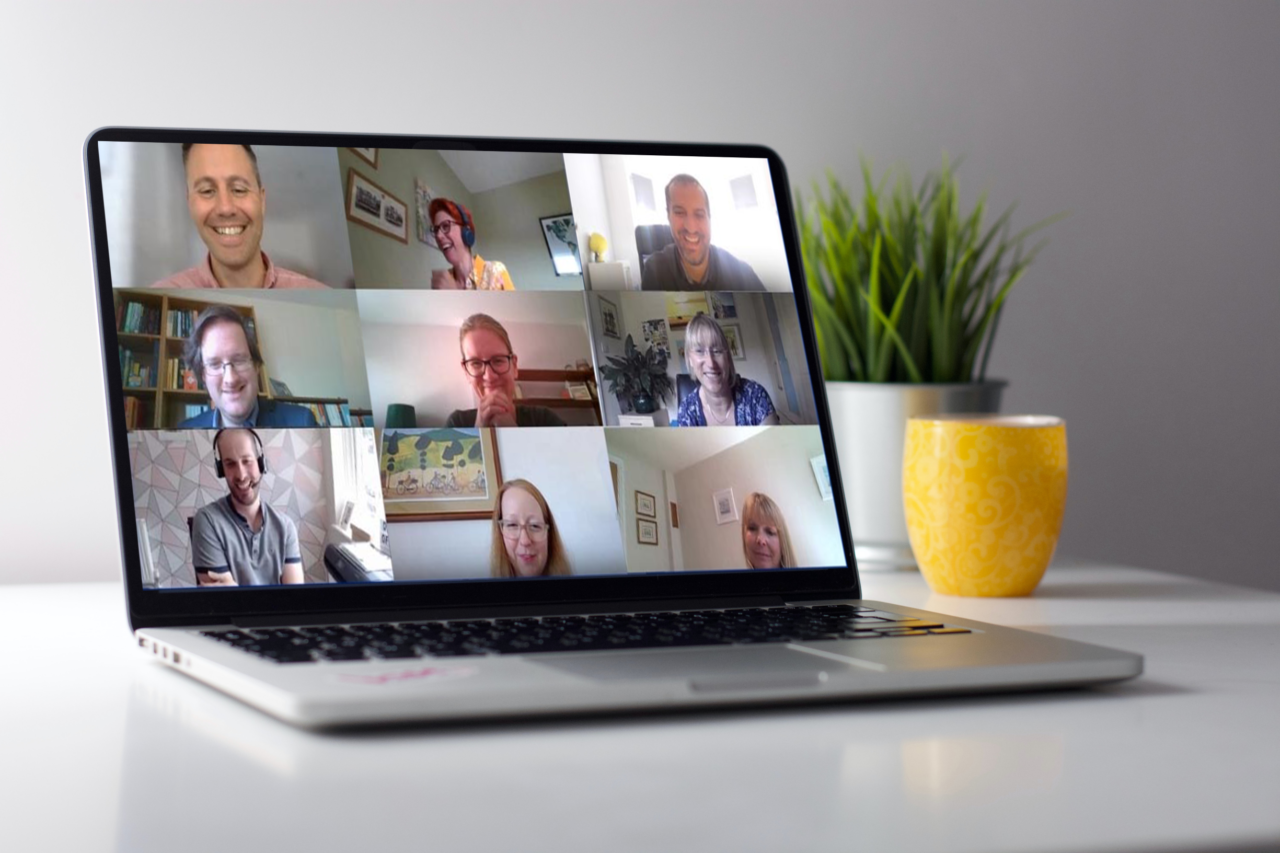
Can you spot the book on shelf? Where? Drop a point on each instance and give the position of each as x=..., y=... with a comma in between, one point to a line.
x=181, y=322
x=192, y=410
x=137, y=372
x=180, y=376
x=134, y=413
x=137, y=319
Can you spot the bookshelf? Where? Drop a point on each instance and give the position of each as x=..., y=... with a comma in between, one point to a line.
x=160, y=388
x=581, y=378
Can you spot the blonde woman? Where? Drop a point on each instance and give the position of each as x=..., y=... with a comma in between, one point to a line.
x=491, y=368
x=765, y=541
x=722, y=398
x=525, y=541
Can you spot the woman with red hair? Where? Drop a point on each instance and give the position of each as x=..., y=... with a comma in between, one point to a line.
x=454, y=234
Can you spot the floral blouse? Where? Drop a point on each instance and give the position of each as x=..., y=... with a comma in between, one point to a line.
x=751, y=405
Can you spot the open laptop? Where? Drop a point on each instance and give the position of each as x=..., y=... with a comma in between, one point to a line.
x=439, y=428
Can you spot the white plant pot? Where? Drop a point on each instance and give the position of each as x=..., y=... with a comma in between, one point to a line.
x=870, y=420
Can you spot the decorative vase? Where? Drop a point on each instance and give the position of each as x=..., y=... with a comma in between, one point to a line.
x=644, y=405
x=870, y=421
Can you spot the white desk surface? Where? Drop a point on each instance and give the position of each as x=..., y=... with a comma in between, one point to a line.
x=101, y=749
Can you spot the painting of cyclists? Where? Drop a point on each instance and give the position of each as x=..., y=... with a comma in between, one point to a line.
x=438, y=474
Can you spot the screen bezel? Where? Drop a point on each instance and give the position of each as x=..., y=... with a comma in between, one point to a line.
x=440, y=598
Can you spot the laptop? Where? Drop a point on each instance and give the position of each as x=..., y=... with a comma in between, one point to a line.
x=425, y=429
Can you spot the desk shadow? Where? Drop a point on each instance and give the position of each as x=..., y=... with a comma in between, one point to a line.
x=1198, y=591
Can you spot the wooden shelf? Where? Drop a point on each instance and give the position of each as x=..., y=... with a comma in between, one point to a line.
x=558, y=403
x=556, y=375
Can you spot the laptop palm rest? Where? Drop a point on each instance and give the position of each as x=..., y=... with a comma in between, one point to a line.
x=709, y=670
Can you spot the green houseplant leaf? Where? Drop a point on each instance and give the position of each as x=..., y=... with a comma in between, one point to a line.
x=905, y=286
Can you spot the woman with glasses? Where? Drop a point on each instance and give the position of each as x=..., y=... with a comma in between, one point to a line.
x=454, y=233
x=525, y=541
x=765, y=541
x=491, y=367
x=722, y=398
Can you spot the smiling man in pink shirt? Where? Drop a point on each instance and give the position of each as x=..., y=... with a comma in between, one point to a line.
x=228, y=203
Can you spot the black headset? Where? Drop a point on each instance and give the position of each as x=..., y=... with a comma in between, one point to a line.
x=217, y=452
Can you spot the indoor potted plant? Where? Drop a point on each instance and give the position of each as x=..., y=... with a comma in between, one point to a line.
x=638, y=376
x=907, y=293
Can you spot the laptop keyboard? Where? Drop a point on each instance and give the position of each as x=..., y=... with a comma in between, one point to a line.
x=520, y=636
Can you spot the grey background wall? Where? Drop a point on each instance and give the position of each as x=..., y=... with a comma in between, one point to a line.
x=1149, y=322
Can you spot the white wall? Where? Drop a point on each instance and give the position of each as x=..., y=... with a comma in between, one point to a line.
x=642, y=475
x=775, y=462
x=1148, y=322
x=571, y=469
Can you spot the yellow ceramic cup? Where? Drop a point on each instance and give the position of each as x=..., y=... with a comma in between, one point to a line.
x=984, y=497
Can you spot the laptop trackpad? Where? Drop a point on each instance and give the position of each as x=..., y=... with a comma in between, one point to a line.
x=707, y=670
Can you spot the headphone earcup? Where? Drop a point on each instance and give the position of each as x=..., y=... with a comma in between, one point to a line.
x=262, y=464
x=468, y=236
x=217, y=468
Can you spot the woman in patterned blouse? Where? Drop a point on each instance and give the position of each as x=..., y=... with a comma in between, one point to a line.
x=454, y=233
x=722, y=398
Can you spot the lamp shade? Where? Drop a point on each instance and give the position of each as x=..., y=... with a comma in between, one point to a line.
x=400, y=415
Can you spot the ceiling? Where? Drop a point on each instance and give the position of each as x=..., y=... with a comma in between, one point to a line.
x=487, y=170
x=676, y=449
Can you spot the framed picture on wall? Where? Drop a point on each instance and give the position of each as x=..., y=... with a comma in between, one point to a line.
x=675, y=516
x=726, y=509
x=562, y=243
x=734, y=335
x=369, y=155
x=646, y=504
x=439, y=474
x=609, y=322
x=376, y=209
x=646, y=531
x=422, y=197
x=822, y=476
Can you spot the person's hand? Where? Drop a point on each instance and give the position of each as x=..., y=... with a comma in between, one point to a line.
x=215, y=579
x=496, y=409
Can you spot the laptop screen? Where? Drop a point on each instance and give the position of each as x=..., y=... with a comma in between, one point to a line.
x=400, y=365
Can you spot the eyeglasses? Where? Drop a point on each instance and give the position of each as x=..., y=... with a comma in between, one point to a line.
x=241, y=364
x=498, y=364
x=537, y=530
x=444, y=228
x=701, y=352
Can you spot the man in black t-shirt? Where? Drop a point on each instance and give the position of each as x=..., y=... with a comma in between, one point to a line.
x=691, y=262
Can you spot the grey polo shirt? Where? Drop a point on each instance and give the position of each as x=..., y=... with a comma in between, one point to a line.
x=221, y=540
x=663, y=271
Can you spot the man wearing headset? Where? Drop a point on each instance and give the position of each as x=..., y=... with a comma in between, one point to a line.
x=241, y=540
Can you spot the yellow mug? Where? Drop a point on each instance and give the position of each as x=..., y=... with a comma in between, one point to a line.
x=984, y=497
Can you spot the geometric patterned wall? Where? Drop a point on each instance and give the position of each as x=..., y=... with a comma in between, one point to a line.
x=173, y=477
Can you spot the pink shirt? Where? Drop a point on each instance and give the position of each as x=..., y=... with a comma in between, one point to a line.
x=201, y=275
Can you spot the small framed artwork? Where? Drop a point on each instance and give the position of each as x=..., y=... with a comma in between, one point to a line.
x=376, y=209
x=726, y=509
x=646, y=531
x=369, y=155
x=675, y=516
x=722, y=306
x=439, y=474
x=646, y=504
x=562, y=243
x=609, y=319
x=734, y=336
x=822, y=475
x=422, y=196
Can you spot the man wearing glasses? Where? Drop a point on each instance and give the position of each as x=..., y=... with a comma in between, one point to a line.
x=491, y=368
x=224, y=350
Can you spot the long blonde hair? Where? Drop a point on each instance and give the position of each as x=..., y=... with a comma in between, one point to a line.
x=760, y=506
x=499, y=563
